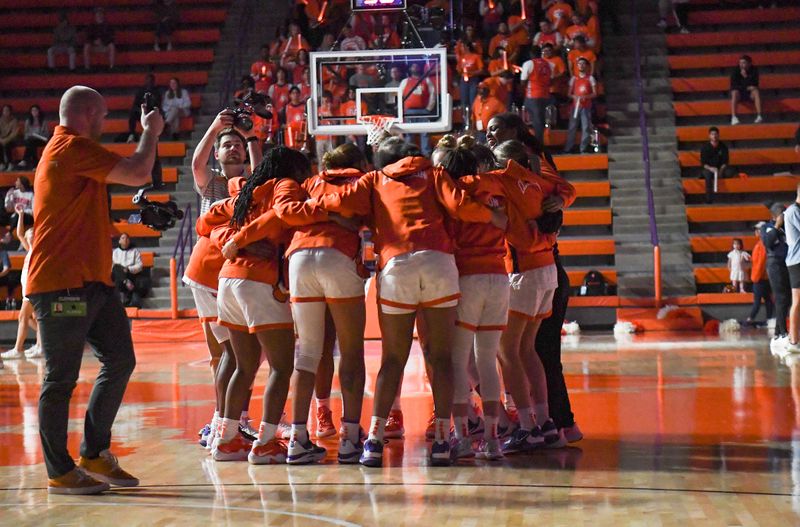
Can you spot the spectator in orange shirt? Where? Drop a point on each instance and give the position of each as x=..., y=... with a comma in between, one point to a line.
x=500, y=86
x=469, y=37
x=263, y=71
x=577, y=28
x=559, y=14
x=539, y=75
x=581, y=52
x=279, y=92
x=325, y=143
x=502, y=40
x=385, y=36
x=419, y=98
x=498, y=64
x=295, y=43
x=519, y=37
x=758, y=275
x=491, y=12
x=548, y=35
x=470, y=68
x=558, y=87
x=483, y=109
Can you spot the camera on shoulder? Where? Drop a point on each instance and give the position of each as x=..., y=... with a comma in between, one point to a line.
x=154, y=214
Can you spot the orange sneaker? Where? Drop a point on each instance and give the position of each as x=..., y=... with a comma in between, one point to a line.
x=270, y=453
x=106, y=468
x=325, y=426
x=74, y=482
x=430, y=431
x=235, y=449
x=394, y=425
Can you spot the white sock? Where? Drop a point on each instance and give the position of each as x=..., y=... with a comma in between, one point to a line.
x=461, y=428
x=215, y=420
x=509, y=402
x=542, y=412
x=299, y=432
x=442, y=429
x=351, y=431
x=324, y=403
x=396, y=403
x=376, y=428
x=245, y=416
x=525, y=418
x=472, y=409
x=230, y=427
x=266, y=432
x=490, y=429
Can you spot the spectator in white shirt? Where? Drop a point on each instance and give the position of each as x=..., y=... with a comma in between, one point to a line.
x=175, y=104
x=351, y=41
x=127, y=273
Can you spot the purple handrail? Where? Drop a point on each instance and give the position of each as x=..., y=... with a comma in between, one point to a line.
x=185, y=239
x=643, y=127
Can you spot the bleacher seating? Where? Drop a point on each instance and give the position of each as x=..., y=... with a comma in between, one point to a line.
x=25, y=35
x=701, y=63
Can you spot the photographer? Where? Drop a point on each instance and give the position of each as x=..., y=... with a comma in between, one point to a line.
x=70, y=287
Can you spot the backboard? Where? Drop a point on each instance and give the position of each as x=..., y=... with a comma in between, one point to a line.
x=376, y=80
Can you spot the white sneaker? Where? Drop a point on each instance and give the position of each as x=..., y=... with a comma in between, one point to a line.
x=12, y=354
x=131, y=138
x=34, y=352
x=792, y=348
x=685, y=30
x=490, y=449
x=156, y=47
x=734, y=120
x=758, y=119
x=461, y=448
x=662, y=24
x=778, y=344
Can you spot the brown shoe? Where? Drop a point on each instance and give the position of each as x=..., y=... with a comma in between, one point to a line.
x=106, y=468
x=76, y=481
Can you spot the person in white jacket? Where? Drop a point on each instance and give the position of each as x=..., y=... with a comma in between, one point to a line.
x=127, y=273
x=175, y=104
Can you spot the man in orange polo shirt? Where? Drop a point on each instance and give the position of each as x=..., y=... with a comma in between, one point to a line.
x=70, y=287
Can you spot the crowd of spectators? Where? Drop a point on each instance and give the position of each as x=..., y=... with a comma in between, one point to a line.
x=535, y=59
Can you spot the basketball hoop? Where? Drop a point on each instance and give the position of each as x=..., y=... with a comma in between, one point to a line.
x=376, y=126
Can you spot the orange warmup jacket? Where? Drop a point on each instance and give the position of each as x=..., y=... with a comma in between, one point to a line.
x=406, y=204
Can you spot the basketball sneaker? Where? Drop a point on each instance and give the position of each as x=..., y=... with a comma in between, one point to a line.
x=440, y=454
x=508, y=424
x=553, y=438
x=249, y=433
x=325, y=426
x=462, y=448
x=349, y=453
x=372, y=456
x=204, y=434
x=523, y=441
x=778, y=344
x=74, y=482
x=572, y=433
x=476, y=427
x=273, y=452
x=105, y=468
x=303, y=453
x=430, y=430
x=12, y=354
x=235, y=449
x=394, y=425
x=490, y=449
x=34, y=352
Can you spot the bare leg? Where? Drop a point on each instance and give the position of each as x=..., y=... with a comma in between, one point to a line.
x=278, y=346
x=397, y=332
x=755, y=94
x=794, y=317
x=440, y=323
x=25, y=312
x=734, y=102
x=246, y=353
x=350, y=320
x=514, y=375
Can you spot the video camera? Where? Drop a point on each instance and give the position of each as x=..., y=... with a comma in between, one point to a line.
x=154, y=214
x=244, y=108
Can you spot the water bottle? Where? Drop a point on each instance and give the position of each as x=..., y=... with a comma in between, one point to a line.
x=550, y=116
x=367, y=250
x=594, y=141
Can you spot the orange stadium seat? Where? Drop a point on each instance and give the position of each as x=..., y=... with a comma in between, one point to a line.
x=767, y=81
x=114, y=18
x=122, y=38
x=743, y=16
x=125, y=58
x=730, y=60
x=573, y=216
x=99, y=80
x=50, y=104
x=569, y=163
x=743, y=186
x=733, y=38
x=747, y=156
x=719, y=243
x=689, y=134
x=592, y=189
x=168, y=174
x=582, y=247
x=726, y=213
x=723, y=107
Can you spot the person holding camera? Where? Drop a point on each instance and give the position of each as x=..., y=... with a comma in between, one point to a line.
x=70, y=287
x=226, y=138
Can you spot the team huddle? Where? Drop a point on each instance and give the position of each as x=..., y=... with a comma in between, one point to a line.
x=464, y=247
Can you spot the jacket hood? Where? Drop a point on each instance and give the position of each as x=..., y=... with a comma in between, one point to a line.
x=235, y=186
x=406, y=166
x=334, y=174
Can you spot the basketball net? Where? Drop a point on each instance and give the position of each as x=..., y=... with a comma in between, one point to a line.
x=376, y=126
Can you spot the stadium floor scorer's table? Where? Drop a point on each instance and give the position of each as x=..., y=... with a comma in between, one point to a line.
x=680, y=430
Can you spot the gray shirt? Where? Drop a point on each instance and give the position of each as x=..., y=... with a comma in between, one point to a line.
x=215, y=190
x=791, y=225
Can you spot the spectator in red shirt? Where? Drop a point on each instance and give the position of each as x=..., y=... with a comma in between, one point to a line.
x=548, y=35
x=558, y=86
x=582, y=90
x=539, y=74
x=581, y=51
x=279, y=92
x=263, y=71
